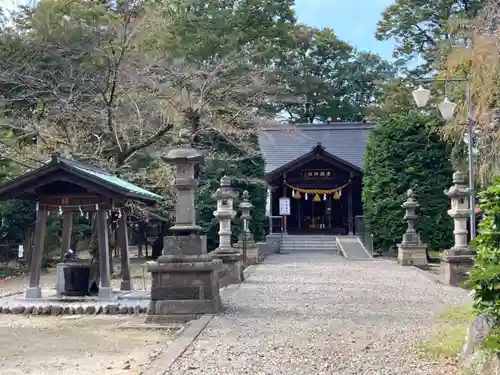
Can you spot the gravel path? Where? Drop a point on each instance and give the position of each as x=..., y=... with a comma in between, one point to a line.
x=322, y=314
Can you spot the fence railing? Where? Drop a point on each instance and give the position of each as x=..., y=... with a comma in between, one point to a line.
x=275, y=224
x=364, y=233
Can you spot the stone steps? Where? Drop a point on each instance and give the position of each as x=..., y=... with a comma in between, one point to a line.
x=309, y=243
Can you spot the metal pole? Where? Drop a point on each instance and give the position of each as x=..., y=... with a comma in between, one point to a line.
x=470, y=152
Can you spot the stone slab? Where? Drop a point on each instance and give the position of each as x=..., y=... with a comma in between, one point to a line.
x=193, y=244
x=169, y=292
x=170, y=308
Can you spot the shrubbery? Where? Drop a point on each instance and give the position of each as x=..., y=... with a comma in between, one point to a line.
x=485, y=275
x=403, y=152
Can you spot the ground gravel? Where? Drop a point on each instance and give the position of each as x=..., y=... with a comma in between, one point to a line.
x=322, y=314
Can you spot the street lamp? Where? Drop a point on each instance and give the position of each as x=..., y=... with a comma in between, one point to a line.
x=447, y=109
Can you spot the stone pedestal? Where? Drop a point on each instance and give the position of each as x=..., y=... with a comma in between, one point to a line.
x=185, y=280
x=458, y=261
x=184, y=287
x=232, y=268
x=248, y=248
x=456, y=265
x=411, y=251
x=232, y=260
x=412, y=255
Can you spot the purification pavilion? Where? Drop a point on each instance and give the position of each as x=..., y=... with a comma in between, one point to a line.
x=66, y=187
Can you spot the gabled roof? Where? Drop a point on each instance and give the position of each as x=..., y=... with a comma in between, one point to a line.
x=284, y=143
x=316, y=152
x=60, y=167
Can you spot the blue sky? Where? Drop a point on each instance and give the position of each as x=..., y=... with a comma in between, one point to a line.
x=354, y=21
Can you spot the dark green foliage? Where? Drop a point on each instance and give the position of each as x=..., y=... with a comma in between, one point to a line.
x=485, y=275
x=17, y=217
x=246, y=173
x=403, y=152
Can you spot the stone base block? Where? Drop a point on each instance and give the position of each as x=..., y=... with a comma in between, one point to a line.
x=60, y=283
x=193, y=244
x=412, y=255
x=180, y=311
x=252, y=252
x=252, y=255
x=456, y=265
x=34, y=292
x=232, y=268
x=126, y=285
x=183, y=288
x=105, y=293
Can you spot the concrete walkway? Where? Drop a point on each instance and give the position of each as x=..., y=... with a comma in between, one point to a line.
x=312, y=314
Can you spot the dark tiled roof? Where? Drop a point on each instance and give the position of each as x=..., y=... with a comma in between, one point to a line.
x=284, y=143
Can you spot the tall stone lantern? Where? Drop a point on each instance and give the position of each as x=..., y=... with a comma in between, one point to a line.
x=458, y=261
x=246, y=244
x=411, y=251
x=232, y=269
x=185, y=279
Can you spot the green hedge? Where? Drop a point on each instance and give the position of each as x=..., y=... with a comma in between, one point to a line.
x=485, y=275
x=403, y=152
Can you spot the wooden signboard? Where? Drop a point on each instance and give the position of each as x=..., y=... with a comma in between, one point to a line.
x=317, y=174
x=284, y=206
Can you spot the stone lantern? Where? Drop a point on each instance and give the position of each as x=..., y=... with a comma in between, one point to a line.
x=411, y=251
x=457, y=261
x=232, y=269
x=185, y=281
x=246, y=244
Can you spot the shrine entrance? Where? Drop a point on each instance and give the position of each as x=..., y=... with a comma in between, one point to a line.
x=324, y=193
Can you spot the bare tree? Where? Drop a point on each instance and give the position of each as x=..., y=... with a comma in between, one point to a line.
x=89, y=87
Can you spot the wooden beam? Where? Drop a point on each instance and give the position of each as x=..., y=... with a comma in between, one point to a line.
x=34, y=290
x=105, y=290
x=126, y=283
x=67, y=226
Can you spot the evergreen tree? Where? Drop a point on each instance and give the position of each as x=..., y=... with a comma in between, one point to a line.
x=406, y=152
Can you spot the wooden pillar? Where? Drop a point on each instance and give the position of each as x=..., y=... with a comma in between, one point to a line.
x=34, y=290
x=126, y=283
x=67, y=226
x=105, y=290
x=349, y=205
x=284, y=230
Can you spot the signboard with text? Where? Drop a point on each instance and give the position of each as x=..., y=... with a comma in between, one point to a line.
x=284, y=206
x=317, y=174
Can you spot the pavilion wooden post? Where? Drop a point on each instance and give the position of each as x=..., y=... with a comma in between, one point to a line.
x=126, y=283
x=349, y=207
x=66, y=233
x=34, y=290
x=105, y=290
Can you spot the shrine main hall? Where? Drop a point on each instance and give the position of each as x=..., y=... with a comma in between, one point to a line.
x=317, y=168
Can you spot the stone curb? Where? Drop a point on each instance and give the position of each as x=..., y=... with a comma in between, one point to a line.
x=73, y=310
x=177, y=348
x=429, y=275
x=247, y=272
x=10, y=294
